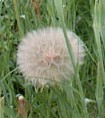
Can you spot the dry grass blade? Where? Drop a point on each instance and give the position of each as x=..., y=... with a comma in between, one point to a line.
x=37, y=7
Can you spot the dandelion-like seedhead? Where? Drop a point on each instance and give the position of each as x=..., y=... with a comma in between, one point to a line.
x=43, y=57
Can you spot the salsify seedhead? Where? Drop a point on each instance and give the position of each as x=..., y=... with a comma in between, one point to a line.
x=43, y=56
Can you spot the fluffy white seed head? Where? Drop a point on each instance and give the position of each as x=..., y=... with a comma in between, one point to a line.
x=43, y=57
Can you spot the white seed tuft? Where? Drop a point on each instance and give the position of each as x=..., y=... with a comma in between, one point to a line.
x=43, y=57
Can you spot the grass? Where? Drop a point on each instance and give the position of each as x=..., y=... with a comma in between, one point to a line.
x=86, y=19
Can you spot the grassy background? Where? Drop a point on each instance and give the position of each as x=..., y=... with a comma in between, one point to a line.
x=87, y=20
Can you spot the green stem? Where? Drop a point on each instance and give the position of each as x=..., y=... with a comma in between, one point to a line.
x=18, y=18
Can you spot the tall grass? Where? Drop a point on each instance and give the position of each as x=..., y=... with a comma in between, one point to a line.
x=98, y=26
x=83, y=95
